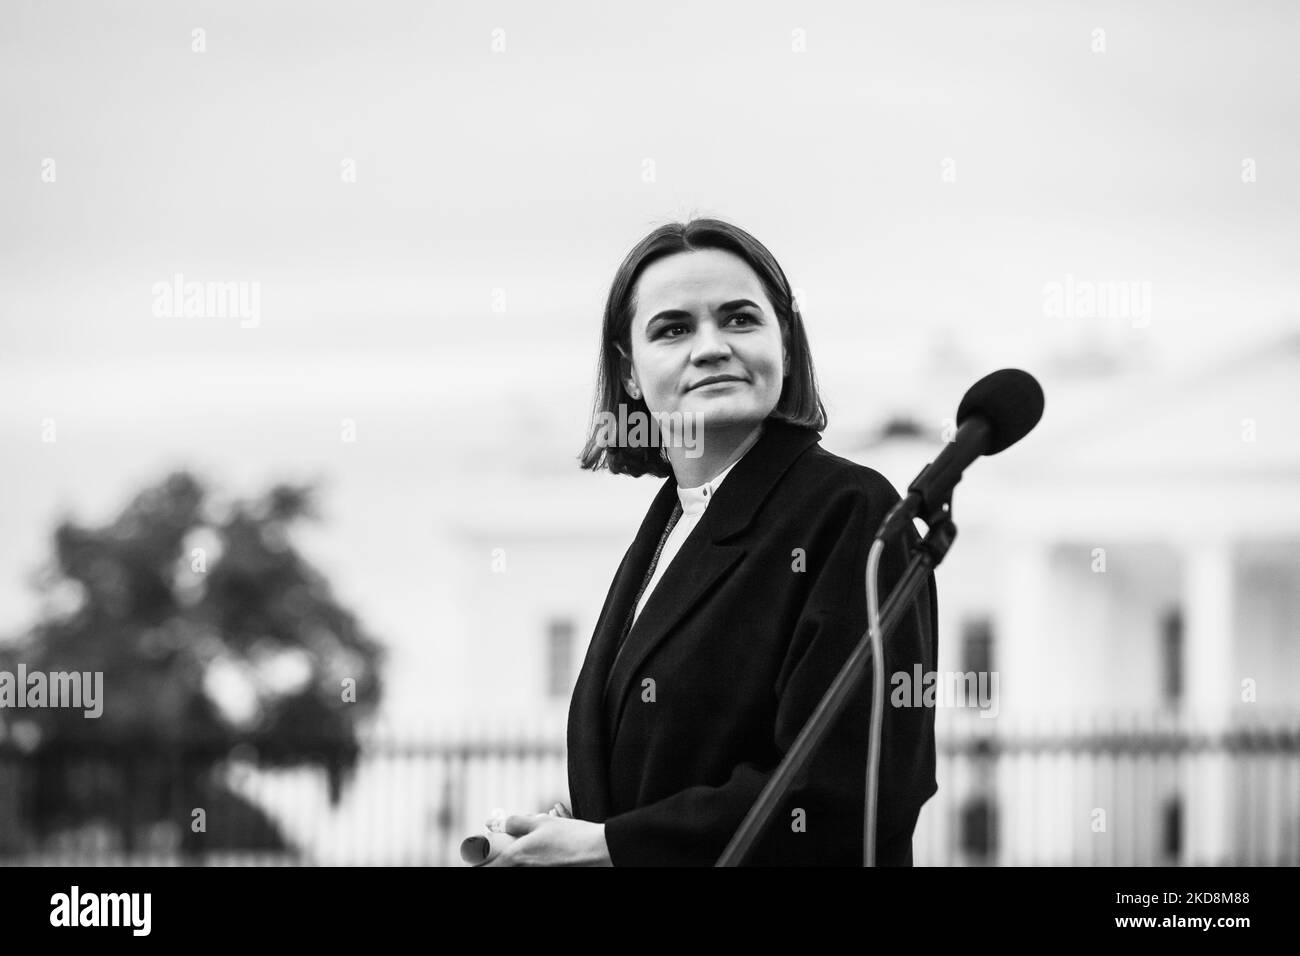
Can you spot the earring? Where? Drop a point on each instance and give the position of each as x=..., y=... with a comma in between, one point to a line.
x=635, y=392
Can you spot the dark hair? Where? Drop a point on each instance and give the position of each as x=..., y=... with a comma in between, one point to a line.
x=799, y=403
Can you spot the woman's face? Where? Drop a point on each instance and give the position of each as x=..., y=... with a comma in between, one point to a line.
x=702, y=314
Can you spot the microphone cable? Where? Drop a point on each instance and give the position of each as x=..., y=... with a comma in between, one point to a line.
x=877, y=702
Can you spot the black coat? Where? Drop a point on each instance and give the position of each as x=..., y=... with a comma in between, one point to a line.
x=741, y=637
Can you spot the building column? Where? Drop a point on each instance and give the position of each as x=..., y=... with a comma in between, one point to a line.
x=1030, y=831
x=1210, y=688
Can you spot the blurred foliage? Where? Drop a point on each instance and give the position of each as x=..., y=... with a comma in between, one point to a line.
x=214, y=635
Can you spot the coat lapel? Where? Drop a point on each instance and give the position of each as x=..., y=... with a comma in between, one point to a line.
x=587, y=737
x=704, y=559
x=699, y=565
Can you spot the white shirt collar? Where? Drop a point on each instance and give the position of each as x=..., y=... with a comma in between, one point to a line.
x=695, y=500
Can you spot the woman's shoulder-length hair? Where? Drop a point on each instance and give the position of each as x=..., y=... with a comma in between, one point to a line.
x=799, y=403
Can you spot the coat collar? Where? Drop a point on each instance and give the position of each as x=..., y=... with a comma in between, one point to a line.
x=753, y=478
x=704, y=558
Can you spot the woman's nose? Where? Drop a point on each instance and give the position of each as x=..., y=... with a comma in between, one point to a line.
x=709, y=343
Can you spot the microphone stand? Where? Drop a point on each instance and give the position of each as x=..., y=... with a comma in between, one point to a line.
x=940, y=532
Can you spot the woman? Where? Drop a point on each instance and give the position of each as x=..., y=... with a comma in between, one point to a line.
x=742, y=594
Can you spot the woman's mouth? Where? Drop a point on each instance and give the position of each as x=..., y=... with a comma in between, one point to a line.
x=715, y=380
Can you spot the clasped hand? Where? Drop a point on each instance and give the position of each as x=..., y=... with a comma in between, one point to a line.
x=553, y=839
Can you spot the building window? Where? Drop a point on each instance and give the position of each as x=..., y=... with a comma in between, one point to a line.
x=979, y=827
x=1171, y=655
x=559, y=657
x=976, y=656
x=1171, y=828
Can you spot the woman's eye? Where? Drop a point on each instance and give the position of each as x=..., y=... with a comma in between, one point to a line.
x=681, y=325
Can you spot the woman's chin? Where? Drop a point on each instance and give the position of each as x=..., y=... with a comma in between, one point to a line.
x=723, y=414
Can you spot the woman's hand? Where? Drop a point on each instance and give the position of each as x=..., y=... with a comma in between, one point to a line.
x=549, y=839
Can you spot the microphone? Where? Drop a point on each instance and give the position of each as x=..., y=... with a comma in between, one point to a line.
x=996, y=412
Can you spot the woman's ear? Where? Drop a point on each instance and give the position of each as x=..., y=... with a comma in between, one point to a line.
x=626, y=375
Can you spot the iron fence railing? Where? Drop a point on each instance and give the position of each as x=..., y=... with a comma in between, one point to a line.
x=1106, y=794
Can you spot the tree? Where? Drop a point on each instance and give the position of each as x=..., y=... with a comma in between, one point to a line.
x=213, y=635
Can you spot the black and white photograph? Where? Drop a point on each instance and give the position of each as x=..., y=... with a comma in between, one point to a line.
x=448, y=435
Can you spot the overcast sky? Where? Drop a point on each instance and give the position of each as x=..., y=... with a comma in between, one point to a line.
x=825, y=129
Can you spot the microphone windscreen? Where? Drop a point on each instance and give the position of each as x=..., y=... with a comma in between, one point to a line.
x=1010, y=400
